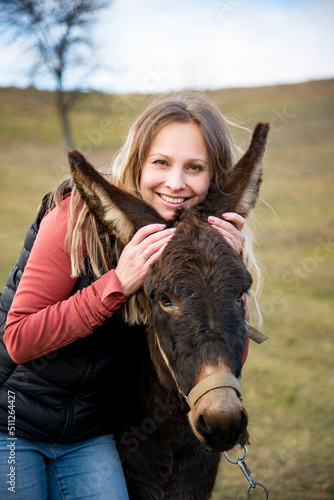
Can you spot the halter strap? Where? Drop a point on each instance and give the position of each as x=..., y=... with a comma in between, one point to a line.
x=213, y=382
x=205, y=385
x=254, y=334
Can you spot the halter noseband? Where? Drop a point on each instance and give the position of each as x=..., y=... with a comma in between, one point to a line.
x=213, y=382
x=205, y=385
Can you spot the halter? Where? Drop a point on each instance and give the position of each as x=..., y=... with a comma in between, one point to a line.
x=205, y=385
x=217, y=379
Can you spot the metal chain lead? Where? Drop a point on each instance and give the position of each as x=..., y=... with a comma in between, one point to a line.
x=247, y=473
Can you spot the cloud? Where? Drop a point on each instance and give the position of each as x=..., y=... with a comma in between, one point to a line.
x=159, y=46
x=223, y=43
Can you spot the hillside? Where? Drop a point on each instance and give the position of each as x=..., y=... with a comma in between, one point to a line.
x=288, y=381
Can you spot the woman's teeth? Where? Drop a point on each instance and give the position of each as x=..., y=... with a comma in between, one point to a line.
x=172, y=200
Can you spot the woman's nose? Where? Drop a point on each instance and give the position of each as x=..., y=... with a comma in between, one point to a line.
x=175, y=180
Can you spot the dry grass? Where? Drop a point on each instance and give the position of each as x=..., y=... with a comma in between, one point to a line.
x=289, y=380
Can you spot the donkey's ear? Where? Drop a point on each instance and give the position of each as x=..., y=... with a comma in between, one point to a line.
x=242, y=183
x=116, y=211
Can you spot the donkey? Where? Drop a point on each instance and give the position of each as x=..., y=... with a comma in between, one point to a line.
x=182, y=403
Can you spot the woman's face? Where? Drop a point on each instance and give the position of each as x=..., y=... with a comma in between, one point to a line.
x=176, y=172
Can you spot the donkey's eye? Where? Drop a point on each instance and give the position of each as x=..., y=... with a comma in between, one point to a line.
x=239, y=300
x=166, y=302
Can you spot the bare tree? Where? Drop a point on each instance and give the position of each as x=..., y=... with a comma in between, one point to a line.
x=57, y=31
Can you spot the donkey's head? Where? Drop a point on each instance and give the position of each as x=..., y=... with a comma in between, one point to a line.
x=197, y=331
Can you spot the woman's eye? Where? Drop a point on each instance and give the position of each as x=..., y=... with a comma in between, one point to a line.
x=196, y=168
x=239, y=300
x=160, y=162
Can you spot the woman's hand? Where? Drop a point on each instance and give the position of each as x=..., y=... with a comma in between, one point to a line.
x=139, y=254
x=231, y=228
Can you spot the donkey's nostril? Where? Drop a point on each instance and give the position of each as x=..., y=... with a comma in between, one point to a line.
x=202, y=427
x=209, y=425
x=221, y=431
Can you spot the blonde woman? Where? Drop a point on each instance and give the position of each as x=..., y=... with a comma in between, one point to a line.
x=62, y=340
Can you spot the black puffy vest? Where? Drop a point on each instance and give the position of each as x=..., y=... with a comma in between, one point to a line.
x=71, y=394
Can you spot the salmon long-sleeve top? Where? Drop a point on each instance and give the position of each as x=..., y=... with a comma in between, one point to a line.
x=44, y=315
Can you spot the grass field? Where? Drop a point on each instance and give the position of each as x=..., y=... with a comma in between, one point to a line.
x=288, y=381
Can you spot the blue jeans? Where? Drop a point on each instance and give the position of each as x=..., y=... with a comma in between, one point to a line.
x=31, y=470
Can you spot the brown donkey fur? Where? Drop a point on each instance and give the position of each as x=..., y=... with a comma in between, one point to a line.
x=196, y=328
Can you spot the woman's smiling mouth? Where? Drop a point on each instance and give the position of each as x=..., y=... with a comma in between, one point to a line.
x=176, y=201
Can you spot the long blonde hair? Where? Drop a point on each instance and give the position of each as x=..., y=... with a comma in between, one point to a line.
x=125, y=171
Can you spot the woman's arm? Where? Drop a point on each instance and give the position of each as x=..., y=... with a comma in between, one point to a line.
x=43, y=317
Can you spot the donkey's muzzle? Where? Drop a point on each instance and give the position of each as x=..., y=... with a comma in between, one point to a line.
x=218, y=416
x=222, y=430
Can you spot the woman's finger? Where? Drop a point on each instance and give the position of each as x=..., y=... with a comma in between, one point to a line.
x=157, y=254
x=151, y=248
x=227, y=234
x=146, y=231
x=136, y=259
x=232, y=235
x=223, y=224
x=237, y=219
x=156, y=239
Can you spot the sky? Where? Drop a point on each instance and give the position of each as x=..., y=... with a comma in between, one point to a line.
x=161, y=46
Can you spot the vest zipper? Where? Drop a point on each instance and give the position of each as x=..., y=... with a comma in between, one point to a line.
x=68, y=419
x=69, y=402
